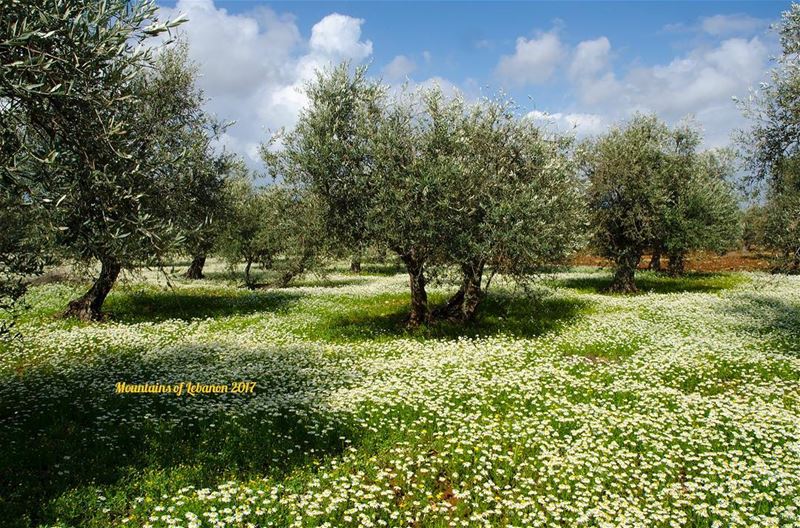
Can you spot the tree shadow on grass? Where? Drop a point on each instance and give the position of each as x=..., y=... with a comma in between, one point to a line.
x=67, y=436
x=327, y=282
x=650, y=282
x=146, y=305
x=775, y=319
x=384, y=317
x=387, y=269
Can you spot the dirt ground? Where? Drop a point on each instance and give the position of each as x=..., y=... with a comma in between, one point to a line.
x=699, y=261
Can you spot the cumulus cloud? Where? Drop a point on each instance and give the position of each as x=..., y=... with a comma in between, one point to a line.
x=590, y=57
x=252, y=65
x=340, y=36
x=700, y=83
x=702, y=77
x=399, y=68
x=534, y=60
x=737, y=24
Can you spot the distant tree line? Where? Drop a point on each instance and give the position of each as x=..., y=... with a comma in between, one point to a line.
x=108, y=157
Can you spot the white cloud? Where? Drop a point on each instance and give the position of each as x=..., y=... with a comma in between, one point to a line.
x=252, y=65
x=721, y=26
x=737, y=24
x=534, y=61
x=702, y=77
x=699, y=83
x=590, y=57
x=580, y=124
x=399, y=68
x=590, y=71
x=340, y=36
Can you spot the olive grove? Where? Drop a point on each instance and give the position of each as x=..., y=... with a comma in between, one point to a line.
x=99, y=132
x=440, y=182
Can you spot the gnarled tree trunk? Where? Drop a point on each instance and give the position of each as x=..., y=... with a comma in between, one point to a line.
x=463, y=305
x=195, y=270
x=247, y=266
x=624, y=276
x=419, y=297
x=677, y=264
x=89, y=306
x=655, y=260
x=473, y=294
x=296, y=269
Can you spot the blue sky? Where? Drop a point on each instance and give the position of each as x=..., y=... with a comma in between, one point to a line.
x=576, y=66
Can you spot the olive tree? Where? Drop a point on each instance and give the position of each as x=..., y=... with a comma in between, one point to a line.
x=200, y=172
x=625, y=173
x=772, y=144
x=24, y=250
x=782, y=226
x=413, y=149
x=513, y=203
x=754, y=222
x=274, y=226
x=372, y=168
x=441, y=183
x=242, y=238
x=326, y=152
x=701, y=209
x=73, y=86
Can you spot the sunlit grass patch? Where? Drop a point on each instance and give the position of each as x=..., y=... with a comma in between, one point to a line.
x=652, y=282
x=601, y=352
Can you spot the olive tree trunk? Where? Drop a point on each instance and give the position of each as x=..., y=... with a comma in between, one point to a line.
x=195, y=271
x=247, y=266
x=419, y=297
x=655, y=260
x=677, y=264
x=296, y=269
x=624, y=275
x=89, y=306
x=463, y=305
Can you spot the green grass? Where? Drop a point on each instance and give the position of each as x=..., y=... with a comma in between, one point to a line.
x=383, y=317
x=543, y=405
x=651, y=282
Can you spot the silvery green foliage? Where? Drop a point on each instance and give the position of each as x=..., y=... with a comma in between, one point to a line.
x=625, y=171
x=772, y=145
x=243, y=237
x=277, y=227
x=195, y=171
x=326, y=153
x=96, y=131
x=441, y=182
x=24, y=246
x=702, y=210
x=70, y=82
x=782, y=229
x=650, y=188
x=515, y=202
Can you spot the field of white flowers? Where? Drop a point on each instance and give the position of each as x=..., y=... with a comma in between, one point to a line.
x=679, y=407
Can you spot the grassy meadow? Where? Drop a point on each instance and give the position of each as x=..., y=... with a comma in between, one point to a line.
x=560, y=406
